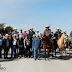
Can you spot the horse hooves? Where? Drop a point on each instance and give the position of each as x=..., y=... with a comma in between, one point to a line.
x=48, y=59
x=52, y=56
x=60, y=57
x=69, y=54
x=45, y=59
x=55, y=54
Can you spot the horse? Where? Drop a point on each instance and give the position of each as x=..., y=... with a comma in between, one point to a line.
x=62, y=43
x=54, y=45
x=70, y=44
x=48, y=44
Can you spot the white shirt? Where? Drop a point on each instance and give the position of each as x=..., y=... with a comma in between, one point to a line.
x=14, y=41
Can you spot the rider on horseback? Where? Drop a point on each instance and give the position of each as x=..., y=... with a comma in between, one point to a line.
x=47, y=32
x=58, y=33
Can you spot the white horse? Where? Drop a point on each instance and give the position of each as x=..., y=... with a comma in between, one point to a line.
x=62, y=43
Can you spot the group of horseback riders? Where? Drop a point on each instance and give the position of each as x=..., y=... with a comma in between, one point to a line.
x=28, y=43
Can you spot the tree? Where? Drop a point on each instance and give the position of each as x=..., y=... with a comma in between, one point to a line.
x=8, y=28
x=1, y=26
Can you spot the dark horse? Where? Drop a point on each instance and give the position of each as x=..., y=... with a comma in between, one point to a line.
x=49, y=45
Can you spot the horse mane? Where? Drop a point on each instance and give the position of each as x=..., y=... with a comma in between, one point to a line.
x=47, y=39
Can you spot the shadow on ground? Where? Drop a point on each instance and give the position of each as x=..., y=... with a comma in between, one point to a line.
x=42, y=57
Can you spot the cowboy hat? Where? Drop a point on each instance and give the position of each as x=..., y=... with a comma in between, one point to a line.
x=6, y=35
x=40, y=32
x=31, y=28
x=57, y=28
x=24, y=30
x=64, y=31
x=15, y=28
x=4, y=27
x=47, y=26
x=37, y=30
x=34, y=35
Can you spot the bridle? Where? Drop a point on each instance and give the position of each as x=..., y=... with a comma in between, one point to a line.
x=45, y=44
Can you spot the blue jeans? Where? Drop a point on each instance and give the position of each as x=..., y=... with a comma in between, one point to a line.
x=13, y=50
x=33, y=51
x=36, y=50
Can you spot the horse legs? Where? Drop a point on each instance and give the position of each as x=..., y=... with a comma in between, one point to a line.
x=61, y=53
x=55, y=52
x=65, y=52
x=69, y=51
x=45, y=53
x=48, y=54
x=52, y=53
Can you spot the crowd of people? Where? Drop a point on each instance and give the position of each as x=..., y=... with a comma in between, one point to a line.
x=25, y=44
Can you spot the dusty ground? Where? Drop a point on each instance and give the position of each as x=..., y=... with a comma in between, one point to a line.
x=30, y=65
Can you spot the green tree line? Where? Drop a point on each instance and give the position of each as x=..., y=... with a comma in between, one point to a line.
x=8, y=28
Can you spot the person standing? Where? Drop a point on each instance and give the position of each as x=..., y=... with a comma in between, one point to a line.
x=37, y=32
x=14, y=45
x=10, y=43
x=31, y=32
x=20, y=45
x=21, y=33
x=27, y=46
x=25, y=33
x=28, y=31
x=41, y=35
x=1, y=44
x=14, y=32
x=36, y=45
x=6, y=46
x=4, y=31
x=34, y=36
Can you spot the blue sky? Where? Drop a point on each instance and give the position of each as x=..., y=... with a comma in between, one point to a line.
x=24, y=14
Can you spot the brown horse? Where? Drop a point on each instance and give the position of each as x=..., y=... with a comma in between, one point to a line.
x=48, y=44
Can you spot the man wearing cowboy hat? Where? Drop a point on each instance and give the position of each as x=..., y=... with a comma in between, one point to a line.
x=36, y=45
x=47, y=31
x=57, y=33
x=1, y=44
x=31, y=31
x=37, y=32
